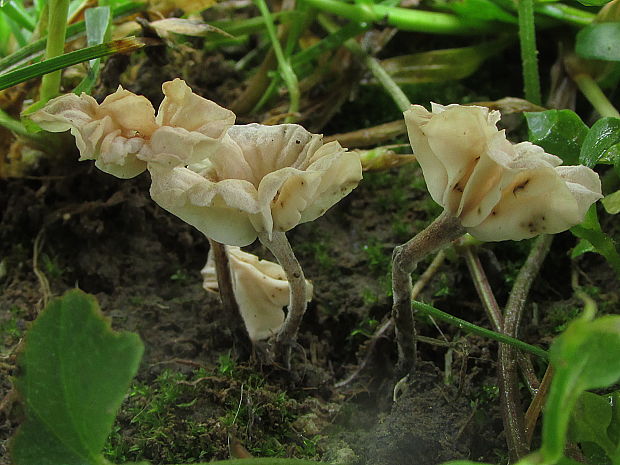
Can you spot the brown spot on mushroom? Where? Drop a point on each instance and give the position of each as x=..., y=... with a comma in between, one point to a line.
x=520, y=186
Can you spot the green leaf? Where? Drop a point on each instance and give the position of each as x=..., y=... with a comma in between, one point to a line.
x=36, y=48
x=590, y=419
x=614, y=428
x=590, y=230
x=599, y=41
x=611, y=203
x=72, y=58
x=75, y=372
x=97, y=27
x=582, y=247
x=559, y=132
x=584, y=357
x=599, y=145
x=593, y=2
x=485, y=10
x=440, y=65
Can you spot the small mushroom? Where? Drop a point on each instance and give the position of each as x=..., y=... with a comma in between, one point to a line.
x=488, y=187
x=261, y=290
x=498, y=190
x=260, y=179
x=111, y=133
x=122, y=133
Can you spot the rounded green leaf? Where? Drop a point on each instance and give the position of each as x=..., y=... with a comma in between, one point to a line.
x=75, y=372
x=559, y=132
x=599, y=41
x=585, y=357
x=598, y=145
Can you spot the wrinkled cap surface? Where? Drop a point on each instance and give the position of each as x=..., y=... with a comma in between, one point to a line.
x=260, y=179
x=122, y=134
x=497, y=189
x=112, y=133
x=261, y=290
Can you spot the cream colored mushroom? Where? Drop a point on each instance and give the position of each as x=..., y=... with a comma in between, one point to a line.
x=488, y=187
x=122, y=133
x=261, y=290
x=260, y=182
x=260, y=179
x=497, y=190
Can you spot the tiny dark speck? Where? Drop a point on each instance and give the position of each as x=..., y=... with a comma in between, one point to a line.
x=298, y=142
x=296, y=275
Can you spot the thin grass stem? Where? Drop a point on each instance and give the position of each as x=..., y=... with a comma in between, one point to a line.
x=373, y=65
x=19, y=15
x=425, y=309
x=68, y=59
x=56, y=32
x=591, y=90
x=403, y=18
x=284, y=65
x=529, y=53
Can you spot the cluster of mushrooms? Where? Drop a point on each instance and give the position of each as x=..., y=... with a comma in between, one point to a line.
x=237, y=183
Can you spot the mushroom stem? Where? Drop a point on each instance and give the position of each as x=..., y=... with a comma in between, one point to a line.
x=227, y=296
x=445, y=229
x=280, y=247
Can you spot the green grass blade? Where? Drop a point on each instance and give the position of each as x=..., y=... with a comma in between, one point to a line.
x=404, y=18
x=97, y=30
x=18, y=14
x=68, y=59
x=35, y=49
x=425, y=309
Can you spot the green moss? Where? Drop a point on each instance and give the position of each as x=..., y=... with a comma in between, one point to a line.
x=12, y=327
x=185, y=418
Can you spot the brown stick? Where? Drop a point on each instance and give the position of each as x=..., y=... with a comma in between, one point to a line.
x=512, y=412
x=493, y=310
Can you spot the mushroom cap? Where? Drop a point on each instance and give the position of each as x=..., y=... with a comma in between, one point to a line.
x=497, y=189
x=260, y=179
x=261, y=291
x=122, y=133
x=112, y=133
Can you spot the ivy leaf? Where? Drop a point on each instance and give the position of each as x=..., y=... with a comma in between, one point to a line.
x=601, y=143
x=75, y=372
x=559, y=132
x=599, y=41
